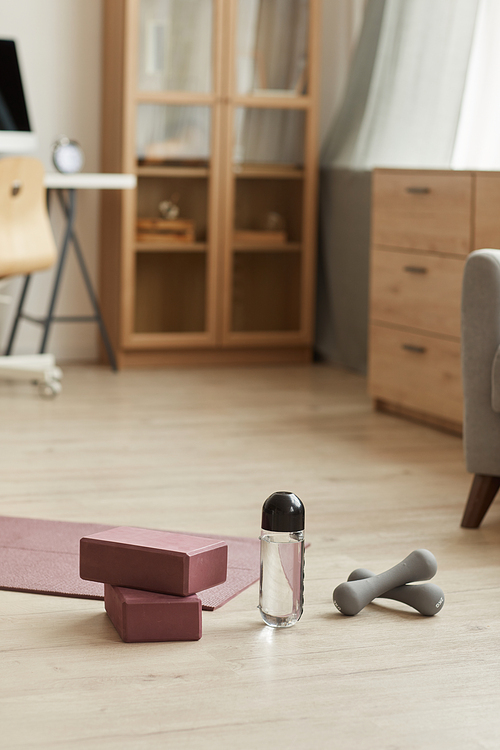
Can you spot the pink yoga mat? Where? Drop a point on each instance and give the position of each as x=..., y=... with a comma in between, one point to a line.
x=42, y=557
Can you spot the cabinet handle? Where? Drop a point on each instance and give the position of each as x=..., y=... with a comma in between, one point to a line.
x=415, y=269
x=414, y=348
x=417, y=190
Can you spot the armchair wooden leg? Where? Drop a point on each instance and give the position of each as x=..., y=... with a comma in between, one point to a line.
x=481, y=495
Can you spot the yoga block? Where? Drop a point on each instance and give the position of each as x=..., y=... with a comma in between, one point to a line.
x=142, y=616
x=160, y=561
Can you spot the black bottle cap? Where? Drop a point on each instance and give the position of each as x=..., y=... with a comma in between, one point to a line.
x=283, y=511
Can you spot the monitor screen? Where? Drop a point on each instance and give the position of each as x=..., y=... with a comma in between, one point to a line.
x=15, y=129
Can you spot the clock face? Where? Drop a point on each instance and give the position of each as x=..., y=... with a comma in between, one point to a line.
x=68, y=157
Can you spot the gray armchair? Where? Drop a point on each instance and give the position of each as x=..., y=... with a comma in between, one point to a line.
x=481, y=380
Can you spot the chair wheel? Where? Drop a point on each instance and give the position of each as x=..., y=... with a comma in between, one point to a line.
x=49, y=389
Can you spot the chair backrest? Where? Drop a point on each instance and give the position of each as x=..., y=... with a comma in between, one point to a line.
x=26, y=239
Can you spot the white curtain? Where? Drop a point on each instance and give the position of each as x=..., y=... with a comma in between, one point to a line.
x=417, y=83
x=341, y=25
x=248, y=17
x=477, y=145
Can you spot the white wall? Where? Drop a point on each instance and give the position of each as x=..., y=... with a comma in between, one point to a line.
x=59, y=43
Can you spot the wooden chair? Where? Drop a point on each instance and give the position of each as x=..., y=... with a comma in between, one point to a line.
x=26, y=245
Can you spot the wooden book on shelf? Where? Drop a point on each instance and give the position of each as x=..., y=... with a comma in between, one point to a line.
x=165, y=230
x=160, y=161
x=260, y=237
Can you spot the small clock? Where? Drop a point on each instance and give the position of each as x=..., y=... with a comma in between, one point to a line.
x=67, y=155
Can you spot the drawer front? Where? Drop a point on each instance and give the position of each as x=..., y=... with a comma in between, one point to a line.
x=422, y=210
x=417, y=372
x=418, y=291
x=487, y=224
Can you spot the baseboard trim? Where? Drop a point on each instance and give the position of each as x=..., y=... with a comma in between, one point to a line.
x=431, y=420
x=211, y=357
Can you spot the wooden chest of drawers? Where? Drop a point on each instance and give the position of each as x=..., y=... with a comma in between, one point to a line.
x=422, y=210
x=424, y=224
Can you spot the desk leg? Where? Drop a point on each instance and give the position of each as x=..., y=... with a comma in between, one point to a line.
x=70, y=217
x=18, y=315
x=86, y=278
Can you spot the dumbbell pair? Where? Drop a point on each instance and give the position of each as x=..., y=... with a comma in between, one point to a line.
x=363, y=586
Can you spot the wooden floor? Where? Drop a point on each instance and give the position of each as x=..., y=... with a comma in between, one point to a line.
x=200, y=450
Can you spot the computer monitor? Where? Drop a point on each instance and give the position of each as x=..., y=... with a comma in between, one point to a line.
x=16, y=134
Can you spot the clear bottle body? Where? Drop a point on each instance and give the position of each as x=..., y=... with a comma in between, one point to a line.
x=281, y=594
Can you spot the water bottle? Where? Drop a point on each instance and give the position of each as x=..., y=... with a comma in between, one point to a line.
x=281, y=593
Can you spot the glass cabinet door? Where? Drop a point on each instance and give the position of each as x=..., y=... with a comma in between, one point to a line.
x=175, y=114
x=272, y=41
x=170, y=133
x=269, y=131
x=175, y=45
x=267, y=227
x=221, y=121
x=269, y=136
x=213, y=105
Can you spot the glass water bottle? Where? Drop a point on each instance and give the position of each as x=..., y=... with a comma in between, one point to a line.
x=281, y=595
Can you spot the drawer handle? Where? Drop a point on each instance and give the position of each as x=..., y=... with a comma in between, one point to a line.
x=415, y=269
x=414, y=348
x=417, y=190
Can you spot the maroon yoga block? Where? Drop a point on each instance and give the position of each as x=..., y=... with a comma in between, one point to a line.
x=151, y=560
x=141, y=616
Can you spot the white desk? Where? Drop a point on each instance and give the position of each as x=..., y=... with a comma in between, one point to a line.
x=71, y=183
x=89, y=181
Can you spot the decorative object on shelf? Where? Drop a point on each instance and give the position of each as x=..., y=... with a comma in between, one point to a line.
x=272, y=233
x=169, y=209
x=274, y=222
x=67, y=155
x=259, y=237
x=165, y=230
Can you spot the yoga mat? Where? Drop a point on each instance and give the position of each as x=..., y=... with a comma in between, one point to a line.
x=42, y=557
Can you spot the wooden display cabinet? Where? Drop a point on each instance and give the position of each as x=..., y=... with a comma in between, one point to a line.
x=196, y=105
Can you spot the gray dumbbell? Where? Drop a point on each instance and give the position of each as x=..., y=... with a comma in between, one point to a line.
x=352, y=596
x=426, y=598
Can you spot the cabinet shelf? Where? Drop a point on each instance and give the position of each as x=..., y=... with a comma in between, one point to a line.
x=175, y=97
x=165, y=247
x=172, y=171
x=270, y=171
x=270, y=101
x=252, y=247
